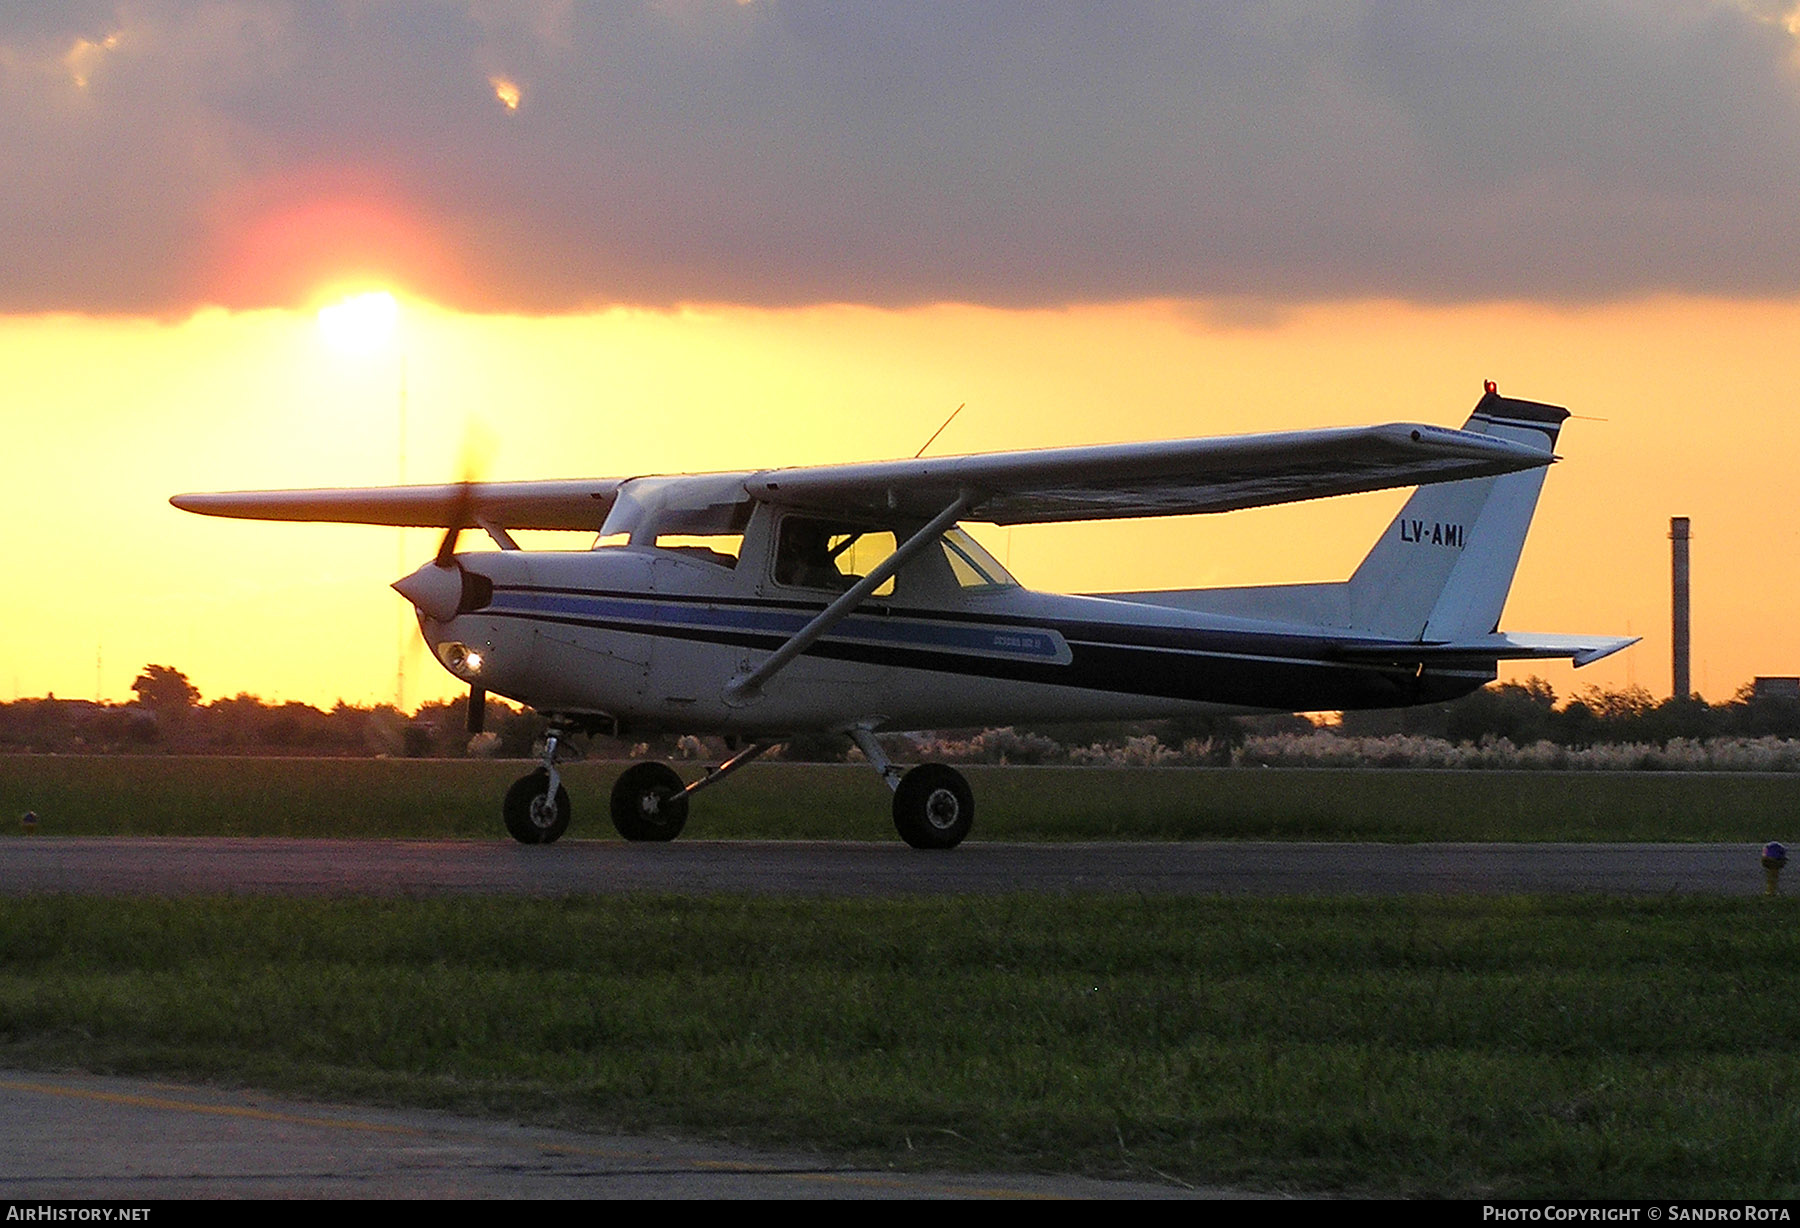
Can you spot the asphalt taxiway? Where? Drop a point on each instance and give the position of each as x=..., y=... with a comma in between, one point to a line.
x=267, y=866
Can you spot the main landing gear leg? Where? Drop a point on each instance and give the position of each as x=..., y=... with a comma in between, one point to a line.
x=934, y=807
x=537, y=806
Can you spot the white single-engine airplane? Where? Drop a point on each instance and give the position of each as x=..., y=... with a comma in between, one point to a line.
x=845, y=598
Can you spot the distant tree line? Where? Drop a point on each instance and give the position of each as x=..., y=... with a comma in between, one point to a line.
x=167, y=716
x=1528, y=712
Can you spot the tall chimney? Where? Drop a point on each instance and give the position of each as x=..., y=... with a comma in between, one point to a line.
x=1678, y=622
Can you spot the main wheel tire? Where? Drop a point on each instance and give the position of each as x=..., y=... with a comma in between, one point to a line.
x=647, y=803
x=531, y=816
x=933, y=807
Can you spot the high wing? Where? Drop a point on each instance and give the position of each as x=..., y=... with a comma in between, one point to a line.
x=1169, y=478
x=579, y=504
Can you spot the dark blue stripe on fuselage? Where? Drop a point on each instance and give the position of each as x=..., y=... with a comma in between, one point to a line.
x=660, y=617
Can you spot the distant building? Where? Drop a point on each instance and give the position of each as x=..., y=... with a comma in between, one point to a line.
x=1776, y=688
x=1680, y=533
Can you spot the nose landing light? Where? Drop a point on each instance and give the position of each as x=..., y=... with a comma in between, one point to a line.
x=460, y=659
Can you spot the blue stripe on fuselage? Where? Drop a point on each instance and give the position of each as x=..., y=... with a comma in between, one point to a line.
x=1018, y=643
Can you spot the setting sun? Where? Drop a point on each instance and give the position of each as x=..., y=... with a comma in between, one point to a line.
x=360, y=324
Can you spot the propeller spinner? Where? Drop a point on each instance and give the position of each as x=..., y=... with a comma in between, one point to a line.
x=437, y=590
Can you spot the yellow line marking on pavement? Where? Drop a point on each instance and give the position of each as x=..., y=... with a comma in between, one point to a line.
x=194, y=1106
x=894, y=1183
x=348, y=1123
x=827, y=1176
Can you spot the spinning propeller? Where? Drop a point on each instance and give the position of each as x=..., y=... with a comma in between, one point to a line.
x=443, y=588
x=459, y=511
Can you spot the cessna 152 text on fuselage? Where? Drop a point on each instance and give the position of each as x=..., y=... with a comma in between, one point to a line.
x=845, y=598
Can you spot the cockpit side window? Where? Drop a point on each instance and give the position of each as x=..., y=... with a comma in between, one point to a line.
x=824, y=554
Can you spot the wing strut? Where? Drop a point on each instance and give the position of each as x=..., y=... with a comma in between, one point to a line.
x=746, y=687
x=494, y=529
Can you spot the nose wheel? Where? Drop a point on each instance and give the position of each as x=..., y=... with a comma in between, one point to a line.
x=534, y=814
x=536, y=808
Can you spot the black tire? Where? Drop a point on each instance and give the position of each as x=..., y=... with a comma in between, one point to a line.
x=933, y=807
x=647, y=803
x=530, y=816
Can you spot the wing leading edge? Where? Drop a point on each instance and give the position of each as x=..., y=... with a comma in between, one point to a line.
x=1171, y=478
x=580, y=504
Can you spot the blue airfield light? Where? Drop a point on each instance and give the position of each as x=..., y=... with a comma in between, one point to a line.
x=1774, y=856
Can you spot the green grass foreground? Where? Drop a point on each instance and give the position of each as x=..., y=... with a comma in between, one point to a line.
x=1471, y=1047
x=429, y=799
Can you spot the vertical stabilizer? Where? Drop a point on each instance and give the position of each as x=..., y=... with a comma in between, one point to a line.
x=1442, y=569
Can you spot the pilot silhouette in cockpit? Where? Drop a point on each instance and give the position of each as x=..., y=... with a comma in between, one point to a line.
x=804, y=558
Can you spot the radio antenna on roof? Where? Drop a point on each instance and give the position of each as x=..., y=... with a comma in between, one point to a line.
x=939, y=431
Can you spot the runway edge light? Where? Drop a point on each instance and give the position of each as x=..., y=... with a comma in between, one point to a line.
x=1774, y=856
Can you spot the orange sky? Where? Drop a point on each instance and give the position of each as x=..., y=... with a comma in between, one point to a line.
x=108, y=416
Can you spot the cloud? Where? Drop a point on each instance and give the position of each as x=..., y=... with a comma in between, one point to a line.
x=157, y=156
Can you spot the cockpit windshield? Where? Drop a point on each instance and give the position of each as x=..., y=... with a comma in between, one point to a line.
x=701, y=519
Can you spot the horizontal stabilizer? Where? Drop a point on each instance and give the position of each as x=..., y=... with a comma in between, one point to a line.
x=1486, y=649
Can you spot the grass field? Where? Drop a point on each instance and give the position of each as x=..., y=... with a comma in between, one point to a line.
x=461, y=798
x=1471, y=1047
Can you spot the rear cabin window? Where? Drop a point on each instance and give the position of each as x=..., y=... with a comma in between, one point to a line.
x=824, y=554
x=973, y=567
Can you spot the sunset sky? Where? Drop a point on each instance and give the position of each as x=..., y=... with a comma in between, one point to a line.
x=702, y=234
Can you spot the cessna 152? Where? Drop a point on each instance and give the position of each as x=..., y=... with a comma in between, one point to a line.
x=845, y=598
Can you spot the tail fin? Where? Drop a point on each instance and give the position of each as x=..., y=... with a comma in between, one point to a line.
x=1442, y=569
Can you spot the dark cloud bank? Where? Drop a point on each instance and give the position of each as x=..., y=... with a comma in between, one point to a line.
x=157, y=156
